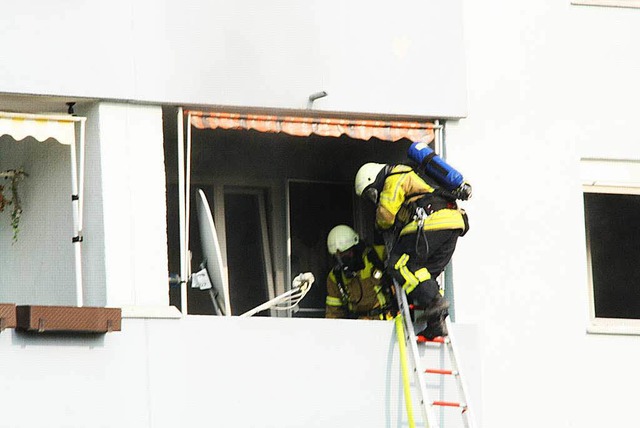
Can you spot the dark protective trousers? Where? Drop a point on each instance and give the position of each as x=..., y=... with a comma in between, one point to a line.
x=428, y=249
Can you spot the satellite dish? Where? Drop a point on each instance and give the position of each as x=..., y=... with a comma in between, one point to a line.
x=219, y=287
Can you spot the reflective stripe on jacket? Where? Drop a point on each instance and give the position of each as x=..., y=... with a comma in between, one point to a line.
x=401, y=182
x=362, y=294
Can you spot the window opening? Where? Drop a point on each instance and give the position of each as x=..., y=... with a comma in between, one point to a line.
x=230, y=154
x=613, y=252
x=314, y=209
x=248, y=250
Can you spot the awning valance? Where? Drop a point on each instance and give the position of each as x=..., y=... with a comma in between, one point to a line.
x=21, y=126
x=326, y=127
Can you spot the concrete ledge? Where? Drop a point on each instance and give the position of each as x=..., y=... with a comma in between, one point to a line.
x=164, y=312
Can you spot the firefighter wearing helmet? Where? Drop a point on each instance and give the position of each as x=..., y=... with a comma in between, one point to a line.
x=421, y=223
x=357, y=287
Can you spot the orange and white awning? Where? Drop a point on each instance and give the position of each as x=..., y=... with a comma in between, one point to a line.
x=305, y=126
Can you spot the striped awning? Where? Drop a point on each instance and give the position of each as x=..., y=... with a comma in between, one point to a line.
x=21, y=126
x=326, y=127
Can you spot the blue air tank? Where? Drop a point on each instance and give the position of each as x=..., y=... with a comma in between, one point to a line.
x=435, y=167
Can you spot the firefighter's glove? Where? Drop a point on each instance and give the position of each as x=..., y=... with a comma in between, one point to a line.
x=303, y=280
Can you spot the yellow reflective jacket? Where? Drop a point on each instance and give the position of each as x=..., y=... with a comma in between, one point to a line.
x=402, y=182
x=361, y=294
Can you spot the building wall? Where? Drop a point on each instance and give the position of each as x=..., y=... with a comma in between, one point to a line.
x=125, y=246
x=200, y=371
x=369, y=57
x=549, y=83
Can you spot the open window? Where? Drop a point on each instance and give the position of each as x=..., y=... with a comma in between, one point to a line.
x=276, y=186
x=612, y=211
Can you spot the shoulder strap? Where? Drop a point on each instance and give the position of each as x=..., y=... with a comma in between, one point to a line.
x=373, y=257
x=337, y=273
x=438, y=190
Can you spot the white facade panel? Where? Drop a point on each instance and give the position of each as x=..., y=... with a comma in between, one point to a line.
x=134, y=205
x=548, y=83
x=201, y=371
x=370, y=57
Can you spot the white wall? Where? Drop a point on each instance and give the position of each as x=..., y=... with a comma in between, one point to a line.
x=125, y=245
x=39, y=267
x=549, y=83
x=207, y=371
x=369, y=57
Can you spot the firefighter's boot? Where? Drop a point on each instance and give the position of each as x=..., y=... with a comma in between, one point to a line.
x=435, y=315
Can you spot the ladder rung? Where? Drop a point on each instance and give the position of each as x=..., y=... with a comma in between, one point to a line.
x=440, y=371
x=422, y=339
x=447, y=403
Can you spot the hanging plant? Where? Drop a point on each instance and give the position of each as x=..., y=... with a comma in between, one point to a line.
x=14, y=176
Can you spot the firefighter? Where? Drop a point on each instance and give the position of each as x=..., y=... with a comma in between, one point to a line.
x=421, y=223
x=357, y=287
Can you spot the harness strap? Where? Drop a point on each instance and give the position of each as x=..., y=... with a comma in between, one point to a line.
x=337, y=272
x=377, y=264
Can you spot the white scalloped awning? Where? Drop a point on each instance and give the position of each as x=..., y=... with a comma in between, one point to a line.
x=21, y=126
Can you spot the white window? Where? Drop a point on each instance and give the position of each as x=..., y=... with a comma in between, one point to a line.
x=612, y=220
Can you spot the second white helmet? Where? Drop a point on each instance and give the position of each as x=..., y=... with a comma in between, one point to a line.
x=341, y=238
x=366, y=176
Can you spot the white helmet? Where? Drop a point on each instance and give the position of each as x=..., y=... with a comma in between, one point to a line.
x=367, y=175
x=341, y=238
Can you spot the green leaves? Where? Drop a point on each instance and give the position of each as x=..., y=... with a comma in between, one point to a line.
x=14, y=176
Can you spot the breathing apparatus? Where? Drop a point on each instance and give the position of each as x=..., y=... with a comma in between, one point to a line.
x=344, y=245
x=443, y=173
x=350, y=261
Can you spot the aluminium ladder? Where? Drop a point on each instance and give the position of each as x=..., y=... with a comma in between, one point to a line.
x=412, y=360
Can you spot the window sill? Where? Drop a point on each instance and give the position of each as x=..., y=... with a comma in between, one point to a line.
x=616, y=326
x=608, y=3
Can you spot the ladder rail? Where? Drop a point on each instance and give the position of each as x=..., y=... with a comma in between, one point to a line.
x=411, y=340
x=448, y=349
x=463, y=391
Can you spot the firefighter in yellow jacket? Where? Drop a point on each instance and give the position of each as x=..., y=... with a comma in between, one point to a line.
x=421, y=223
x=357, y=286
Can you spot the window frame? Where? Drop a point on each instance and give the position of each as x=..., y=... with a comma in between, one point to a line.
x=261, y=190
x=618, y=326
